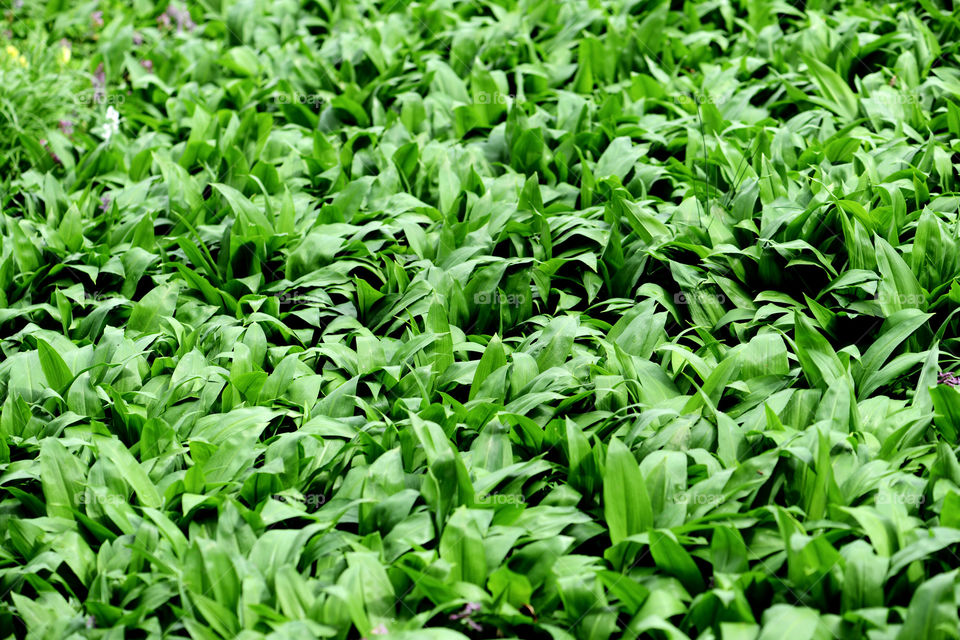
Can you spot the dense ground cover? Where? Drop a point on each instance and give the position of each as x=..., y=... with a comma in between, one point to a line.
x=485, y=318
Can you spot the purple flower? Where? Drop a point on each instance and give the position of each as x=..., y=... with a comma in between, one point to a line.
x=17, y=4
x=379, y=630
x=465, y=616
x=99, y=84
x=97, y=19
x=66, y=126
x=104, y=203
x=947, y=378
x=180, y=16
x=147, y=64
x=137, y=38
x=56, y=158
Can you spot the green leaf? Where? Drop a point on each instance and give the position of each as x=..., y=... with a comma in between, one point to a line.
x=626, y=505
x=133, y=473
x=55, y=370
x=837, y=95
x=62, y=478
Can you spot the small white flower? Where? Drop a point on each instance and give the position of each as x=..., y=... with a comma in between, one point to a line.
x=112, y=126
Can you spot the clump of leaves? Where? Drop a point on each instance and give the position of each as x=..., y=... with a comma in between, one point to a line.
x=571, y=320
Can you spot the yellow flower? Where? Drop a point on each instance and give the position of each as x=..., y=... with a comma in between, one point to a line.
x=12, y=51
x=63, y=57
x=22, y=61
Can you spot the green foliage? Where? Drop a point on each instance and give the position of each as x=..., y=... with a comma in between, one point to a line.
x=517, y=319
